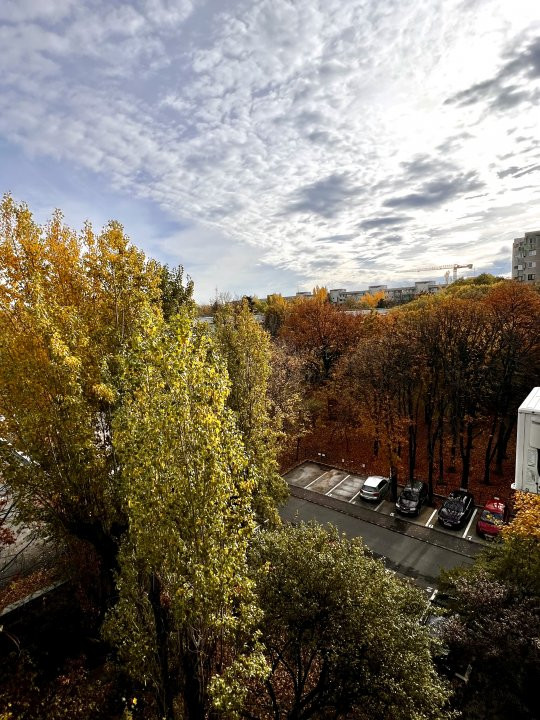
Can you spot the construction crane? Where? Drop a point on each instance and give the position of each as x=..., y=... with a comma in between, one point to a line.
x=455, y=267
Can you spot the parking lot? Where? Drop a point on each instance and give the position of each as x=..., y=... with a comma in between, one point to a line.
x=340, y=485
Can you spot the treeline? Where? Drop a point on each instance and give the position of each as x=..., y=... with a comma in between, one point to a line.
x=433, y=385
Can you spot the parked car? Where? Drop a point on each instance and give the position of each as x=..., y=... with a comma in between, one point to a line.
x=412, y=498
x=375, y=488
x=456, y=509
x=493, y=517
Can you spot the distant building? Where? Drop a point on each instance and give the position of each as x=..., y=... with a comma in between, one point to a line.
x=525, y=252
x=395, y=295
x=300, y=294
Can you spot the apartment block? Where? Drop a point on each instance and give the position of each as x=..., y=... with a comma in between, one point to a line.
x=525, y=255
x=397, y=295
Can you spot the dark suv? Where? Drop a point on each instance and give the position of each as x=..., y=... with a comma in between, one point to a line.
x=412, y=498
x=456, y=509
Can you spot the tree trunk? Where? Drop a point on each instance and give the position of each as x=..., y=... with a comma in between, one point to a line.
x=453, y=450
x=441, y=480
x=505, y=433
x=430, y=477
x=162, y=624
x=106, y=547
x=488, y=455
x=394, y=482
x=431, y=439
x=430, y=453
x=412, y=453
x=466, y=448
x=195, y=696
x=412, y=433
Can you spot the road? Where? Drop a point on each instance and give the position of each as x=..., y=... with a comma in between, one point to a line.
x=409, y=556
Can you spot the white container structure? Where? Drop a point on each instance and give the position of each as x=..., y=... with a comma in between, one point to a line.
x=528, y=444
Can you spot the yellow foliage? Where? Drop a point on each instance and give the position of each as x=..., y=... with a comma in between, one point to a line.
x=372, y=299
x=69, y=306
x=526, y=524
x=320, y=294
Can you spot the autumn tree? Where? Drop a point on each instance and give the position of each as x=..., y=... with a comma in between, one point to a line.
x=175, y=294
x=322, y=332
x=70, y=306
x=245, y=347
x=372, y=300
x=183, y=622
x=494, y=621
x=341, y=635
x=458, y=342
x=287, y=395
x=381, y=377
x=514, y=313
x=275, y=311
x=7, y=536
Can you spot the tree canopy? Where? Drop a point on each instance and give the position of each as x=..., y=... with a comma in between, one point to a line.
x=342, y=636
x=184, y=616
x=245, y=347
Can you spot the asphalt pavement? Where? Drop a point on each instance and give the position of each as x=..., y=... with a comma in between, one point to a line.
x=408, y=556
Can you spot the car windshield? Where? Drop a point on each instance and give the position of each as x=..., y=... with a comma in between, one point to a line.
x=455, y=505
x=410, y=494
x=494, y=518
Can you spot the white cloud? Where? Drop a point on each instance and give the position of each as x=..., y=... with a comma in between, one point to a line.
x=274, y=127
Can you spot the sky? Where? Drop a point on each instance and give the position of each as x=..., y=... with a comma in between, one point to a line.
x=275, y=145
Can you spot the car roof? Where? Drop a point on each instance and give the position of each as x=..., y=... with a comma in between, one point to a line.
x=459, y=494
x=495, y=505
x=374, y=480
x=415, y=485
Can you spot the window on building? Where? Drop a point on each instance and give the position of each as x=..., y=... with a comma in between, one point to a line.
x=532, y=252
x=531, y=276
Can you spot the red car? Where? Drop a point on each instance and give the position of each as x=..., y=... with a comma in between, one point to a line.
x=493, y=517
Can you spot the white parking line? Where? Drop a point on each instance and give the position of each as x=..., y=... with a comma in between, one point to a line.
x=355, y=496
x=469, y=525
x=317, y=478
x=379, y=505
x=337, y=485
x=431, y=517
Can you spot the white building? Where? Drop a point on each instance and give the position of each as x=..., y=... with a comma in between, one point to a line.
x=528, y=444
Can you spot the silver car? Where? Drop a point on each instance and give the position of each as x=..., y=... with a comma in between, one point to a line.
x=375, y=488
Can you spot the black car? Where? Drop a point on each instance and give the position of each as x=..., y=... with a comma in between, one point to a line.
x=456, y=509
x=412, y=498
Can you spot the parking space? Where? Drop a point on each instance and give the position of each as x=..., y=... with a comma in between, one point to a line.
x=428, y=518
x=326, y=480
x=348, y=488
x=339, y=484
x=305, y=474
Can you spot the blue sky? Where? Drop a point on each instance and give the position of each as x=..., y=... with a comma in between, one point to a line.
x=272, y=145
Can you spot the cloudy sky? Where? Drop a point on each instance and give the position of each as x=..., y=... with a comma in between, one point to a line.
x=271, y=145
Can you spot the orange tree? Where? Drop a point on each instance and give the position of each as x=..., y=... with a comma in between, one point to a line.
x=322, y=332
x=515, y=368
x=381, y=378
